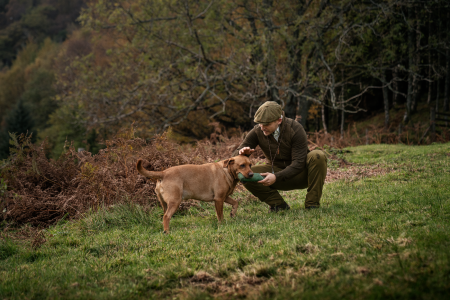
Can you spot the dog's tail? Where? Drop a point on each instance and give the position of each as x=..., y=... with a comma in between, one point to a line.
x=146, y=173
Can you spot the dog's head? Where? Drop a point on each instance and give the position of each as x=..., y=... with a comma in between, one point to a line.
x=239, y=164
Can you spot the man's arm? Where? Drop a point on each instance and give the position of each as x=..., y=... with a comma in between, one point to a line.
x=299, y=152
x=251, y=141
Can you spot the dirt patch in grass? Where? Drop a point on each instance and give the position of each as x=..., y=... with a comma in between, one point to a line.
x=238, y=285
x=241, y=285
x=354, y=173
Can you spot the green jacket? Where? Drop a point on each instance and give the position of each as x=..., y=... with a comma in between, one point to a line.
x=293, y=147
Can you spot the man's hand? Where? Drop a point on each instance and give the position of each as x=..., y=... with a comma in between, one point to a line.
x=246, y=151
x=269, y=180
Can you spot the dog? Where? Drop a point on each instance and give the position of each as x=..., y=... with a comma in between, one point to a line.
x=207, y=182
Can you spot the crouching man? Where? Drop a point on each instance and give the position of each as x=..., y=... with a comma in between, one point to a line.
x=290, y=165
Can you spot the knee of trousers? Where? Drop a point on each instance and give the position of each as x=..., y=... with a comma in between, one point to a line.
x=317, y=159
x=264, y=193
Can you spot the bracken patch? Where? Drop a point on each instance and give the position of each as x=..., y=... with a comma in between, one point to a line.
x=42, y=191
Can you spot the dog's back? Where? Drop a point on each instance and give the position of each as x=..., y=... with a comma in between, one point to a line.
x=195, y=181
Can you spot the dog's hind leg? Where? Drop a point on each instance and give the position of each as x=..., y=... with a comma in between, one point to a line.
x=233, y=203
x=163, y=203
x=172, y=195
x=158, y=190
x=172, y=207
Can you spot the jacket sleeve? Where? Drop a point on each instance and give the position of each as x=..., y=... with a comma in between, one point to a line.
x=299, y=152
x=251, y=140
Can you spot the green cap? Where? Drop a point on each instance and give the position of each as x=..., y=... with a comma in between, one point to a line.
x=268, y=112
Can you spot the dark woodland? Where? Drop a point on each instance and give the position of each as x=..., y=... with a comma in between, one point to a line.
x=85, y=69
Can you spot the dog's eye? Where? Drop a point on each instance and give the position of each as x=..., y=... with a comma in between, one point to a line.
x=242, y=166
x=250, y=165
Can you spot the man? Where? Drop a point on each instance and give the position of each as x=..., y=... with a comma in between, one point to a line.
x=290, y=165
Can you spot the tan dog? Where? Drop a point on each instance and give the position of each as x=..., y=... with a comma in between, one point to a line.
x=208, y=182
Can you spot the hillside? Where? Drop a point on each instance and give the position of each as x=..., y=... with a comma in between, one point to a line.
x=377, y=234
x=22, y=21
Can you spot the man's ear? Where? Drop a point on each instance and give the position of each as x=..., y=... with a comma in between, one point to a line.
x=228, y=162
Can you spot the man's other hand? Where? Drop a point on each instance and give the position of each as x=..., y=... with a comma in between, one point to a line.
x=269, y=180
x=246, y=151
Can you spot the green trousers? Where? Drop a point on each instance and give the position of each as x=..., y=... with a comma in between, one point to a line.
x=312, y=178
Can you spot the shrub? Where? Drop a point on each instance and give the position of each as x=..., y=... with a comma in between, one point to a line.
x=41, y=190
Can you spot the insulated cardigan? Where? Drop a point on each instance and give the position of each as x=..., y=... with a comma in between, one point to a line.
x=293, y=147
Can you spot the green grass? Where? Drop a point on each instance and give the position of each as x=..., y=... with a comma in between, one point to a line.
x=380, y=237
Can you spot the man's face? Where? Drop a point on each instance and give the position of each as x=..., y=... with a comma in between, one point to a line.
x=270, y=128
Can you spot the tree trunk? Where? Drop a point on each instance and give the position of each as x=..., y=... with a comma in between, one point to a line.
x=438, y=81
x=407, y=115
x=303, y=107
x=447, y=77
x=430, y=82
x=386, y=100
x=337, y=119
x=342, y=120
x=290, y=107
x=271, y=63
x=342, y=110
x=433, y=124
x=395, y=83
x=447, y=83
x=324, y=117
x=438, y=85
x=416, y=85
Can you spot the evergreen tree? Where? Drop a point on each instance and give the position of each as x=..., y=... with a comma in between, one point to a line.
x=19, y=121
x=4, y=144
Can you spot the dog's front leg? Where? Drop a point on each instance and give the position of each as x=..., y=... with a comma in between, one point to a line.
x=219, y=209
x=233, y=203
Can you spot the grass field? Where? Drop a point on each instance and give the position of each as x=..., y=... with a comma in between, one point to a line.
x=380, y=237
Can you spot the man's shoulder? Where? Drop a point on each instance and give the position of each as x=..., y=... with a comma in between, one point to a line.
x=255, y=130
x=293, y=124
x=253, y=133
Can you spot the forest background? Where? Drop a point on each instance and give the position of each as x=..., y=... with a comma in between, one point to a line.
x=178, y=82
x=79, y=71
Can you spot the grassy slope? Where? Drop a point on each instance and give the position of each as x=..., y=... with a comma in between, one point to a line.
x=379, y=237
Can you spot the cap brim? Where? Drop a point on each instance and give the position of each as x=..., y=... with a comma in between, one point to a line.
x=265, y=123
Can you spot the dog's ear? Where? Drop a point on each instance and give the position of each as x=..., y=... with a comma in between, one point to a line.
x=228, y=162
